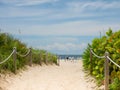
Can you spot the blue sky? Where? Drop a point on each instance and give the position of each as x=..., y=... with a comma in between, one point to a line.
x=59, y=26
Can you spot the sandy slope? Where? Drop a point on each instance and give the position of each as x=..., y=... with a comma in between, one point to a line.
x=67, y=76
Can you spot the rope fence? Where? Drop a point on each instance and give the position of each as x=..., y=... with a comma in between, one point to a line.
x=29, y=54
x=106, y=66
x=113, y=62
x=7, y=58
x=23, y=55
x=97, y=55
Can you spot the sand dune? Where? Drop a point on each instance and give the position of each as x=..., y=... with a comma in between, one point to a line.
x=68, y=76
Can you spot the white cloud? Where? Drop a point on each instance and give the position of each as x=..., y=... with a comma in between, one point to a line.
x=35, y=2
x=13, y=12
x=81, y=27
x=93, y=5
x=27, y=2
x=14, y=8
x=76, y=28
x=72, y=9
x=66, y=47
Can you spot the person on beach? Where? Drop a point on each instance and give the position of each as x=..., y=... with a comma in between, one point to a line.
x=67, y=58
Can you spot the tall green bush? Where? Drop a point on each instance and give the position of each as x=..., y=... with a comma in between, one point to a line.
x=110, y=43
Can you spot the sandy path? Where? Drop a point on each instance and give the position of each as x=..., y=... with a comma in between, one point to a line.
x=67, y=76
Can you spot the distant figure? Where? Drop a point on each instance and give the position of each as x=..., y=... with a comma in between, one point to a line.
x=67, y=58
x=71, y=59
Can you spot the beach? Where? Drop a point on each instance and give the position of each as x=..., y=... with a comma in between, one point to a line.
x=68, y=76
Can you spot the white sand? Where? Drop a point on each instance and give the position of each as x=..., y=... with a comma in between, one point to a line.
x=67, y=76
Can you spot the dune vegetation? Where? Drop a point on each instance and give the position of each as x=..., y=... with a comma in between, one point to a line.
x=110, y=43
x=8, y=42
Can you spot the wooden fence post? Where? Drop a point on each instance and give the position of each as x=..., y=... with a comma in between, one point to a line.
x=46, y=58
x=58, y=60
x=30, y=57
x=106, y=65
x=14, y=58
x=91, y=60
x=40, y=62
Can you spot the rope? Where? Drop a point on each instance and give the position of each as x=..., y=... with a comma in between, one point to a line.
x=23, y=55
x=97, y=55
x=7, y=57
x=113, y=61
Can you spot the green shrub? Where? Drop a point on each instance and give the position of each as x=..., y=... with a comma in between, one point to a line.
x=110, y=43
x=115, y=84
x=7, y=42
